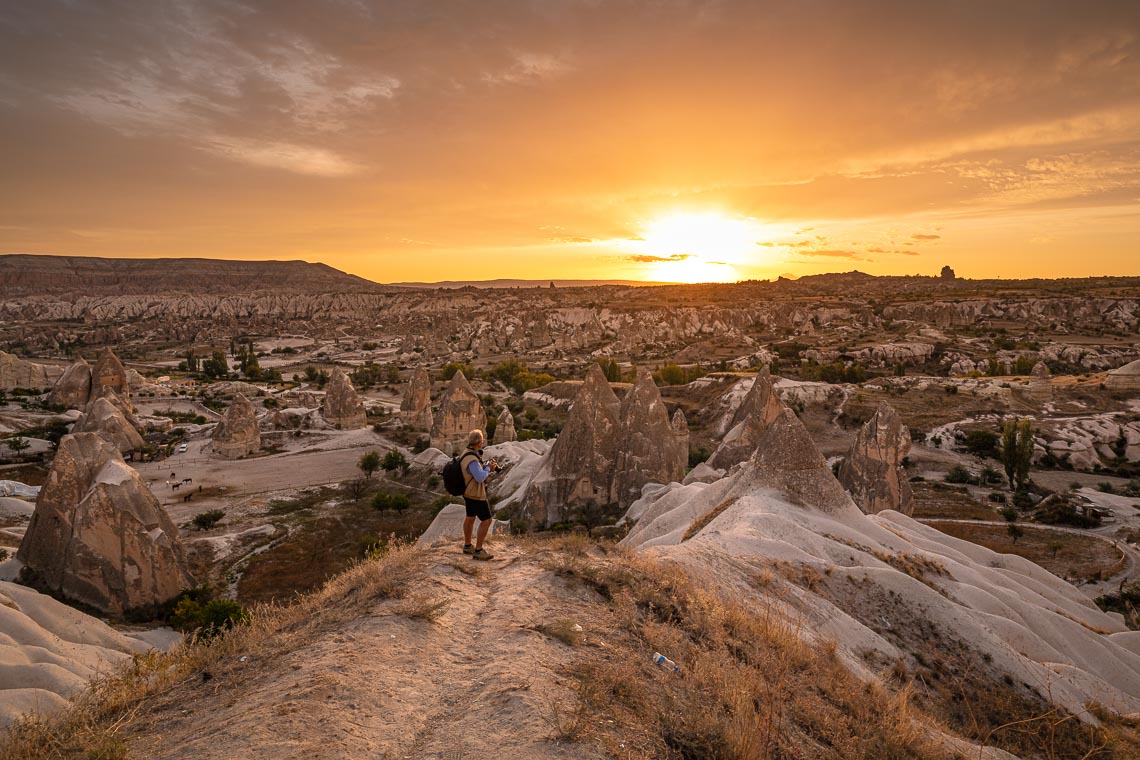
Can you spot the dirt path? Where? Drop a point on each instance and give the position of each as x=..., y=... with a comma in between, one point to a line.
x=480, y=681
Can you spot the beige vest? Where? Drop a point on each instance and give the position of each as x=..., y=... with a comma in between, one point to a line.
x=475, y=489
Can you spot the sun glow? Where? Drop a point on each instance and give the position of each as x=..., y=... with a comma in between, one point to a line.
x=701, y=246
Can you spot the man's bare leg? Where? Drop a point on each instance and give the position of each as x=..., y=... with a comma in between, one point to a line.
x=468, y=526
x=484, y=526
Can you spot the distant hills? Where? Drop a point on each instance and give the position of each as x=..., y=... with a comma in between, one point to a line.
x=28, y=275
x=504, y=283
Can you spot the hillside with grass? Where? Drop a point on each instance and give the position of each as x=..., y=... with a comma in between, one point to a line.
x=544, y=653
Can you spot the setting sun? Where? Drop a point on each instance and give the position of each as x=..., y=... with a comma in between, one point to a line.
x=700, y=246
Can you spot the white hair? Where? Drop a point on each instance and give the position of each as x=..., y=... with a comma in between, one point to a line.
x=475, y=437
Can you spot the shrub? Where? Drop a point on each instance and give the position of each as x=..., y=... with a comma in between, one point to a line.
x=982, y=443
x=207, y=520
x=959, y=474
x=209, y=618
x=385, y=501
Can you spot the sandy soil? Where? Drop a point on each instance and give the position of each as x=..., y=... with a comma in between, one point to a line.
x=478, y=682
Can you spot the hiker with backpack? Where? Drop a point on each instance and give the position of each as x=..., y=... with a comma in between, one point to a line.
x=476, y=475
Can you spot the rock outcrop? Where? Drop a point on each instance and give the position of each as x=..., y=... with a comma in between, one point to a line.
x=758, y=410
x=648, y=450
x=872, y=472
x=98, y=535
x=19, y=373
x=415, y=407
x=681, y=436
x=1126, y=378
x=505, y=427
x=460, y=412
x=342, y=407
x=73, y=389
x=1040, y=386
x=578, y=470
x=109, y=372
x=237, y=435
x=103, y=417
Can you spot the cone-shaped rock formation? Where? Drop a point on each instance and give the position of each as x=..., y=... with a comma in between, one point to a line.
x=342, y=406
x=647, y=446
x=578, y=470
x=460, y=412
x=237, y=435
x=109, y=372
x=415, y=407
x=103, y=417
x=1040, y=386
x=98, y=535
x=73, y=389
x=758, y=410
x=872, y=471
x=505, y=427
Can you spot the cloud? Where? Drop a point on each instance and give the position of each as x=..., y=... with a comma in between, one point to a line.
x=529, y=68
x=920, y=236
x=299, y=159
x=832, y=253
x=647, y=259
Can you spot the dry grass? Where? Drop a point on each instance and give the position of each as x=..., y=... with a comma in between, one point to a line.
x=750, y=687
x=423, y=607
x=932, y=500
x=91, y=727
x=1077, y=556
x=700, y=523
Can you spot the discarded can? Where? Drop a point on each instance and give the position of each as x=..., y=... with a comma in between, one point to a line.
x=665, y=662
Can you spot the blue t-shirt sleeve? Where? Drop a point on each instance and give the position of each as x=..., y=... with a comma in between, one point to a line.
x=478, y=471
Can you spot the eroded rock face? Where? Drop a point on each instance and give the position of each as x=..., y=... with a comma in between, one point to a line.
x=103, y=417
x=758, y=410
x=98, y=535
x=872, y=471
x=73, y=389
x=1126, y=378
x=19, y=373
x=415, y=407
x=578, y=470
x=648, y=449
x=460, y=412
x=109, y=372
x=237, y=435
x=342, y=406
x=505, y=427
x=787, y=460
x=1040, y=386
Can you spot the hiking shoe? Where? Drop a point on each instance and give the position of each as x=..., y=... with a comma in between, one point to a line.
x=468, y=549
x=482, y=554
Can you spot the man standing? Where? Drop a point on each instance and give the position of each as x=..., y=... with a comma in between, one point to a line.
x=477, y=475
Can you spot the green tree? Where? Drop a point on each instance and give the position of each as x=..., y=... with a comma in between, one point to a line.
x=394, y=460
x=191, y=360
x=1015, y=532
x=1017, y=451
x=611, y=370
x=18, y=445
x=396, y=501
x=369, y=463
x=215, y=367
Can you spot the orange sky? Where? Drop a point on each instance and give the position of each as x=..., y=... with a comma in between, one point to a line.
x=571, y=139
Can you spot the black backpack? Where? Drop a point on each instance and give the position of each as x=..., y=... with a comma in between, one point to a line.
x=453, y=481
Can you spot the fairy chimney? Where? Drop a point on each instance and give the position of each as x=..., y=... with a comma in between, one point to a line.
x=98, y=535
x=342, y=407
x=460, y=412
x=872, y=472
x=415, y=407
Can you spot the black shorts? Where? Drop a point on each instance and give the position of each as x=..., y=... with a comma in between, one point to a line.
x=478, y=508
